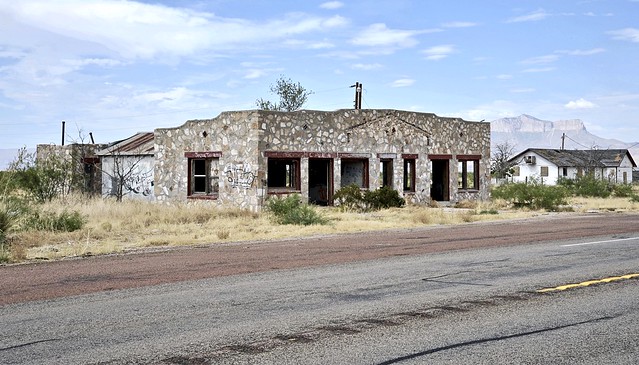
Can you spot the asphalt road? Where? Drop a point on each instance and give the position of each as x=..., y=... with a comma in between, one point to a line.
x=471, y=305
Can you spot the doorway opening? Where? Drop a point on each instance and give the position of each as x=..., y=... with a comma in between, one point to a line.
x=439, y=190
x=320, y=181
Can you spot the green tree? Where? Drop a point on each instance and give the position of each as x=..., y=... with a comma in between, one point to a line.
x=292, y=96
x=42, y=178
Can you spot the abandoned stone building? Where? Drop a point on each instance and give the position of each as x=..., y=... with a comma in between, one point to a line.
x=241, y=158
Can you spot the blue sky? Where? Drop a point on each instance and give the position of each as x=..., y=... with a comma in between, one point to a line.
x=114, y=68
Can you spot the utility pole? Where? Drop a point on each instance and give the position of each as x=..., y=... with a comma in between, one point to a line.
x=563, y=139
x=358, y=95
x=63, y=122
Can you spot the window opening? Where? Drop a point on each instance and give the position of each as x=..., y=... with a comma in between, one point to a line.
x=386, y=172
x=354, y=171
x=468, y=178
x=284, y=174
x=409, y=175
x=204, y=177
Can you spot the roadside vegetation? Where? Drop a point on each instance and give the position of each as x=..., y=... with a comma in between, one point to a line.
x=567, y=195
x=40, y=219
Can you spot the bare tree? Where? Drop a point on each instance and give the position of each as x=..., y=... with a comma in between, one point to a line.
x=292, y=96
x=500, y=167
x=126, y=174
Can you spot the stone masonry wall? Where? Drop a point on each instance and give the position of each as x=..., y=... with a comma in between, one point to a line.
x=390, y=133
x=234, y=134
x=243, y=137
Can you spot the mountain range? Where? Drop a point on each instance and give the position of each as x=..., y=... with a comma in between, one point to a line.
x=521, y=132
x=525, y=131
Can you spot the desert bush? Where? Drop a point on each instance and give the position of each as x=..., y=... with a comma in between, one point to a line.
x=64, y=221
x=383, y=198
x=587, y=186
x=533, y=195
x=622, y=190
x=5, y=224
x=351, y=197
x=291, y=210
x=42, y=179
x=634, y=198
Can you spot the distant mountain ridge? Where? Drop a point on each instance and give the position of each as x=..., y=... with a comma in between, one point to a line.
x=526, y=131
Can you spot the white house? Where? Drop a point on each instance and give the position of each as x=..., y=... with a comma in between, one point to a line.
x=127, y=167
x=548, y=165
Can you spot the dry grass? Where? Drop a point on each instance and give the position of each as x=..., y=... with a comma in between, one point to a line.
x=612, y=204
x=117, y=227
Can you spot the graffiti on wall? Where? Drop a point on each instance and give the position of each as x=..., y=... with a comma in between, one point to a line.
x=239, y=175
x=141, y=184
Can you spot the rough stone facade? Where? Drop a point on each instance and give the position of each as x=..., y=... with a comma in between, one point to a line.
x=227, y=160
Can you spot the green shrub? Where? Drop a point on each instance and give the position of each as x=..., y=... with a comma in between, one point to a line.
x=634, y=198
x=532, y=195
x=291, y=210
x=351, y=198
x=587, y=186
x=383, y=198
x=622, y=190
x=5, y=224
x=49, y=221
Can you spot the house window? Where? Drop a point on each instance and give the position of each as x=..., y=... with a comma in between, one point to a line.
x=516, y=171
x=564, y=171
x=386, y=172
x=283, y=174
x=409, y=174
x=204, y=174
x=354, y=172
x=468, y=174
x=544, y=171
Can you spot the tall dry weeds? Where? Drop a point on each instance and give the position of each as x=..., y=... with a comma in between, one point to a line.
x=130, y=225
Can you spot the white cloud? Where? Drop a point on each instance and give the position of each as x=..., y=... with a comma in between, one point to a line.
x=331, y=5
x=626, y=34
x=580, y=104
x=523, y=90
x=103, y=62
x=491, y=111
x=534, y=16
x=539, y=69
x=504, y=77
x=366, y=66
x=378, y=35
x=254, y=74
x=459, y=25
x=582, y=52
x=439, y=52
x=135, y=30
x=402, y=83
x=541, y=59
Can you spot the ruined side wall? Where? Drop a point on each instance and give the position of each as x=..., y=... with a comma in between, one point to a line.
x=235, y=134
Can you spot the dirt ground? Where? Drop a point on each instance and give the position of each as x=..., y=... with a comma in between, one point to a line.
x=46, y=280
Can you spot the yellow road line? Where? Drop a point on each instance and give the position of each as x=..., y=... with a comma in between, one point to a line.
x=589, y=282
